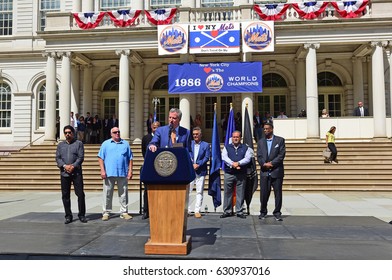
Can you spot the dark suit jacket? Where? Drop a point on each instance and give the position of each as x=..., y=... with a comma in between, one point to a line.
x=112, y=124
x=202, y=158
x=161, y=137
x=358, y=113
x=145, y=141
x=276, y=157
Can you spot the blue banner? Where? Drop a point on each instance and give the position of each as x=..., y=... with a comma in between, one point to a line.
x=219, y=77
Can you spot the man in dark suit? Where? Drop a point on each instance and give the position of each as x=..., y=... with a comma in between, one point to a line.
x=145, y=141
x=360, y=111
x=166, y=136
x=149, y=122
x=271, y=152
x=200, y=155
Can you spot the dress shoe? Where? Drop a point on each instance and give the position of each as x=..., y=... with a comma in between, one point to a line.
x=225, y=215
x=105, y=217
x=262, y=216
x=83, y=219
x=145, y=216
x=68, y=220
x=242, y=216
x=278, y=218
x=390, y=222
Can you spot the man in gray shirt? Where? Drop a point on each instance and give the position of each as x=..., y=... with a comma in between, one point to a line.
x=69, y=158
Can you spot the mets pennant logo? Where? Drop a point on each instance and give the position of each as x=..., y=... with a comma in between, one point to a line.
x=173, y=39
x=214, y=82
x=258, y=36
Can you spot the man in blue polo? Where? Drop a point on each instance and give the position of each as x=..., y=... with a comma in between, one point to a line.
x=115, y=161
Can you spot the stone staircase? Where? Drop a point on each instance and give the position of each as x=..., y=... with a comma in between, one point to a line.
x=363, y=166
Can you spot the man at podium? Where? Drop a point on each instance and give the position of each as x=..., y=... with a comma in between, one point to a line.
x=169, y=135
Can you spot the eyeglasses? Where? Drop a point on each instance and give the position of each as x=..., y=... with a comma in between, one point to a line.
x=116, y=132
x=67, y=132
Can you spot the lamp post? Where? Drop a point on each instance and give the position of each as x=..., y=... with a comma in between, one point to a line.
x=155, y=100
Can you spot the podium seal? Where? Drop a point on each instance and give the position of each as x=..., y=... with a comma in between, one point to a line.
x=165, y=164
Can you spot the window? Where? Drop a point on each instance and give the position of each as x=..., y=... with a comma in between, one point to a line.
x=115, y=4
x=6, y=17
x=160, y=4
x=42, y=105
x=47, y=6
x=272, y=100
x=273, y=80
x=5, y=105
x=161, y=83
x=209, y=111
x=217, y=3
x=328, y=79
x=112, y=84
x=330, y=93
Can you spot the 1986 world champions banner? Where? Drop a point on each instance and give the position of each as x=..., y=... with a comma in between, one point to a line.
x=220, y=77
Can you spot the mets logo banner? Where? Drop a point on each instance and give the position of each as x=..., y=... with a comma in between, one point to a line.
x=219, y=77
x=172, y=39
x=214, y=37
x=258, y=36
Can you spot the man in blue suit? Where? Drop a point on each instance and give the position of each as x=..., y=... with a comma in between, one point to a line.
x=271, y=152
x=200, y=155
x=166, y=136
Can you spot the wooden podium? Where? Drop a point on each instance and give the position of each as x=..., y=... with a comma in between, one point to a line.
x=168, y=196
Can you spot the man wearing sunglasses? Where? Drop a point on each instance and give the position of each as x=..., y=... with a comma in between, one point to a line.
x=115, y=161
x=69, y=158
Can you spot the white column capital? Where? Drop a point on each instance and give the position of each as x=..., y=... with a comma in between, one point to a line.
x=312, y=46
x=64, y=54
x=381, y=44
x=123, y=52
x=51, y=54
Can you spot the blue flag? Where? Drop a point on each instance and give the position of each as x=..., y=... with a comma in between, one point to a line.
x=214, y=182
x=229, y=131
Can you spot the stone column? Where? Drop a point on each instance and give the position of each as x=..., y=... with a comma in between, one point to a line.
x=389, y=54
x=65, y=91
x=138, y=114
x=75, y=90
x=87, y=90
x=123, y=98
x=88, y=6
x=379, y=115
x=312, y=92
x=146, y=108
x=300, y=80
x=185, y=101
x=76, y=6
x=50, y=99
x=358, y=80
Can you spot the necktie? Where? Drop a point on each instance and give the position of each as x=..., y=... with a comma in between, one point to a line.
x=173, y=137
x=361, y=109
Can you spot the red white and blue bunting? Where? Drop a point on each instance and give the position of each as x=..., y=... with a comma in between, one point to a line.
x=350, y=9
x=271, y=11
x=310, y=10
x=268, y=12
x=161, y=16
x=88, y=20
x=124, y=18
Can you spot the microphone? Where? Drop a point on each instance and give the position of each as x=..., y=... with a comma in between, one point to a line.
x=170, y=132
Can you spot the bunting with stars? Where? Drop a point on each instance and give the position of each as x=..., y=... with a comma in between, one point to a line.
x=124, y=18
x=88, y=20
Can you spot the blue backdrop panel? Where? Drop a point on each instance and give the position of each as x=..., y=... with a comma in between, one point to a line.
x=219, y=77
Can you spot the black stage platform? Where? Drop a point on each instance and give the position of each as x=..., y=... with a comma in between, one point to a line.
x=44, y=236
